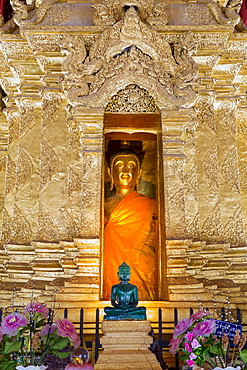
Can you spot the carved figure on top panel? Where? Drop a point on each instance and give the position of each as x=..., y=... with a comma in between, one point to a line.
x=130, y=52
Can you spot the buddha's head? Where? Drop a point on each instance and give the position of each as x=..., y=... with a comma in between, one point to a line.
x=124, y=170
x=124, y=272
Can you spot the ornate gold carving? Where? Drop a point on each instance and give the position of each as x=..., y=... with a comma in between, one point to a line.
x=3, y=162
x=180, y=229
x=223, y=15
x=193, y=228
x=234, y=228
x=131, y=51
x=75, y=133
x=11, y=175
x=52, y=105
x=212, y=229
x=57, y=14
x=13, y=117
x=112, y=11
x=44, y=42
x=191, y=183
x=24, y=168
x=49, y=163
x=74, y=180
x=210, y=167
x=242, y=124
x=230, y=169
x=205, y=112
x=213, y=60
x=227, y=116
x=194, y=12
x=48, y=229
x=176, y=200
x=132, y=99
x=17, y=50
x=28, y=116
x=20, y=228
x=243, y=175
x=6, y=227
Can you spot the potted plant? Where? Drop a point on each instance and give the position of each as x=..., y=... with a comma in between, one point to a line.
x=195, y=340
x=27, y=338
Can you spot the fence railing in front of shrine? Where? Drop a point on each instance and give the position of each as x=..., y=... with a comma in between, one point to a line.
x=162, y=329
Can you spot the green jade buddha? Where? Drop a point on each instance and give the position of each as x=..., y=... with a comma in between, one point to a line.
x=124, y=299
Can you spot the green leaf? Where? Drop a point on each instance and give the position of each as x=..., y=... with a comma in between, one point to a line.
x=10, y=365
x=243, y=355
x=12, y=346
x=40, y=323
x=60, y=344
x=61, y=355
x=216, y=349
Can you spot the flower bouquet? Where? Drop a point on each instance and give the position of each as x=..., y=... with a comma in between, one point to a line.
x=27, y=338
x=194, y=337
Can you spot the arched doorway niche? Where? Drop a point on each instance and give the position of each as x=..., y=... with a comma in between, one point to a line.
x=132, y=116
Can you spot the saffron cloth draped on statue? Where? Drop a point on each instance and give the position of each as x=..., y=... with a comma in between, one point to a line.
x=127, y=239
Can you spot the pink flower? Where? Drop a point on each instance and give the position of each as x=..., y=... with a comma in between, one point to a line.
x=182, y=326
x=187, y=347
x=47, y=329
x=192, y=356
x=190, y=362
x=204, y=328
x=200, y=314
x=189, y=336
x=174, y=345
x=1, y=335
x=195, y=343
x=36, y=307
x=12, y=323
x=65, y=328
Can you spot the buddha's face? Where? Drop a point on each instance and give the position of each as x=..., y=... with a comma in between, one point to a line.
x=124, y=275
x=125, y=173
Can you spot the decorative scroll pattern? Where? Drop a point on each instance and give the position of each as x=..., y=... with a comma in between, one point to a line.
x=210, y=167
x=191, y=183
x=20, y=228
x=212, y=229
x=205, y=112
x=58, y=14
x=234, y=229
x=48, y=229
x=227, y=116
x=51, y=107
x=49, y=163
x=24, y=168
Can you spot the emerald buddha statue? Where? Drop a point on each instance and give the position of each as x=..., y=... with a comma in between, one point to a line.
x=124, y=299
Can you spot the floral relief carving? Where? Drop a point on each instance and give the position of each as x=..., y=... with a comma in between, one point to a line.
x=122, y=56
x=20, y=228
x=52, y=105
x=191, y=183
x=49, y=163
x=58, y=14
x=234, y=228
x=242, y=124
x=24, y=168
x=74, y=180
x=205, y=112
x=11, y=175
x=227, y=116
x=210, y=167
x=194, y=12
x=48, y=229
x=13, y=117
x=180, y=229
x=28, y=116
x=193, y=228
x=212, y=229
x=3, y=162
x=230, y=170
x=176, y=200
x=243, y=175
x=6, y=226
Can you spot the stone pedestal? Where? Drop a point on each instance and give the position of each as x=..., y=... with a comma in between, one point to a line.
x=125, y=346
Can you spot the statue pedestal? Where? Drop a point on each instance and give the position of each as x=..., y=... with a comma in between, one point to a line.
x=125, y=346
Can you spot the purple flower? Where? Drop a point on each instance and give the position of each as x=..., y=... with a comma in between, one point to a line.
x=204, y=328
x=187, y=347
x=190, y=362
x=189, y=336
x=193, y=356
x=195, y=343
x=199, y=315
x=48, y=329
x=182, y=326
x=12, y=323
x=65, y=328
x=1, y=335
x=36, y=307
x=174, y=345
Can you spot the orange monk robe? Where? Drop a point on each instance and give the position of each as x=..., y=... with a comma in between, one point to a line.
x=126, y=240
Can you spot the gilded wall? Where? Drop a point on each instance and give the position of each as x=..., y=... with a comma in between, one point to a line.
x=62, y=63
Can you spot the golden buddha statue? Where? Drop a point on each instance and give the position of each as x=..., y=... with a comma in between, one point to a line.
x=128, y=220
